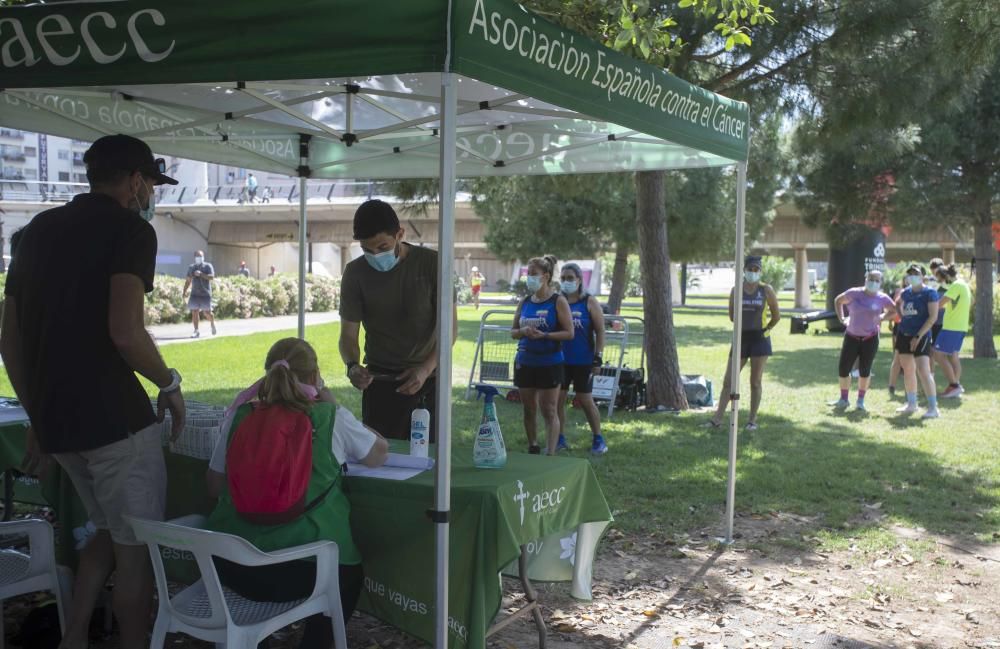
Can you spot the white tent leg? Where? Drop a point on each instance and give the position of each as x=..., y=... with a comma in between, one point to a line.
x=734, y=361
x=446, y=261
x=303, y=243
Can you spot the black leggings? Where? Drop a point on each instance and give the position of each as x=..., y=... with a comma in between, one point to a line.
x=287, y=582
x=862, y=350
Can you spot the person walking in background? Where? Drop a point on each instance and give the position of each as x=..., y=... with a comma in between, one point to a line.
x=755, y=341
x=931, y=282
x=542, y=323
x=272, y=272
x=243, y=270
x=476, y=282
x=72, y=342
x=867, y=306
x=956, y=302
x=251, y=188
x=199, y=281
x=918, y=306
x=583, y=355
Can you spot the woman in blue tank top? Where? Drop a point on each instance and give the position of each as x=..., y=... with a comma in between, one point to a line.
x=541, y=324
x=755, y=340
x=583, y=355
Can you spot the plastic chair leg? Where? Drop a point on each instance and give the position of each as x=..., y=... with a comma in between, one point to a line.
x=159, y=636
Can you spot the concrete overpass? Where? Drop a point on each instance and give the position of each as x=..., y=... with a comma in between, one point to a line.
x=217, y=219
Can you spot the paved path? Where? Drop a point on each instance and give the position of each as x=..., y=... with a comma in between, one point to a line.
x=181, y=333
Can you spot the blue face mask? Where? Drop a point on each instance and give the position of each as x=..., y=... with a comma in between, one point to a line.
x=873, y=287
x=915, y=280
x=569, y=287
x=533, y=282
x=147, y=212
x=751, y=277
x=383, y=261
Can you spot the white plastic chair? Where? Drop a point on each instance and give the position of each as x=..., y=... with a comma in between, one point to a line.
x=209, y=611
x=22, y=573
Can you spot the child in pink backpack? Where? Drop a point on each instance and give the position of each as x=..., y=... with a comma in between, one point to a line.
x=272, y=413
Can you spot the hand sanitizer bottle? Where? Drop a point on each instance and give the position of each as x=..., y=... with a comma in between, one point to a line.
x=420, y=427
x=489, y=451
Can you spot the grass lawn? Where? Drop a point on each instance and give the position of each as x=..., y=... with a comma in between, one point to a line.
x=668, y=473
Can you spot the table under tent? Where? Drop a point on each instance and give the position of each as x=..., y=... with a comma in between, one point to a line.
x=354, y=89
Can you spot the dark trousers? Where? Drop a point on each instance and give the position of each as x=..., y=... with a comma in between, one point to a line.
x=287, y=582
x=388, y=411
x=858, y=349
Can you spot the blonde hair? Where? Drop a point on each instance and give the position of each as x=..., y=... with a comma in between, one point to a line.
x=279, y=387
x=546, y=264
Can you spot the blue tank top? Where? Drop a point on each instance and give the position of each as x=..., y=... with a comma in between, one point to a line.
x=580, y=350
x=541, y=315
x=753, y=309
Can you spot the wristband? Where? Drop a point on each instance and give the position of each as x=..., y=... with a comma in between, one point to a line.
x=598, y=360
x=175, y=382
x=350, y=366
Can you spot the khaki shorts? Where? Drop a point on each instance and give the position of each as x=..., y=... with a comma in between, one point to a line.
x=126, y=478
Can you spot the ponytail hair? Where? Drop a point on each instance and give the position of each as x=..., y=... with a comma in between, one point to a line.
x=948, y=270
x=289, y=362
x=546, y=264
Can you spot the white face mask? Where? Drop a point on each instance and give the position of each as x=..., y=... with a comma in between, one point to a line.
x=199, y=260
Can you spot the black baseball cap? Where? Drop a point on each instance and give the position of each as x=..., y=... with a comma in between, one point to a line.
x=374, y=217
x=126, y=153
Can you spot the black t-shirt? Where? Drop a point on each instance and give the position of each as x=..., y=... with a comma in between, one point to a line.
x=82, y=394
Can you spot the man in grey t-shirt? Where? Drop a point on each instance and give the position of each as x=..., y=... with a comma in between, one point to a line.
x=392, y=291
x=199, y=280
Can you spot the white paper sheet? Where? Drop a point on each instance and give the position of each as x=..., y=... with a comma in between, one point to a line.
x=397, y=467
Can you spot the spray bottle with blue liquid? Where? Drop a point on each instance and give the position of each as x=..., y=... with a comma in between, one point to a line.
x=489, y=451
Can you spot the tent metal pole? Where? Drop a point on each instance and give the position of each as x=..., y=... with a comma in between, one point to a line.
x=303, y=228
x=302, y=256
x=734, y=359
x=445, y=291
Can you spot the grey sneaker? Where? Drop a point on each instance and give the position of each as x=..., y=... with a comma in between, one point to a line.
x=839, y=403
x=932, y=413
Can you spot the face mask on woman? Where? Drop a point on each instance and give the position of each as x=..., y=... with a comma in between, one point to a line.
x=751, y=277
x=915, y=280
x=873, y=287
x=569, y=287
x=533, y=282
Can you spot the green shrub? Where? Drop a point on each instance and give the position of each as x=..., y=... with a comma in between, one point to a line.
x=776, y=271
x=242, y=297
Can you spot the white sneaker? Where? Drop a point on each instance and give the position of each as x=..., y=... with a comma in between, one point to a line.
x=931, y=413
x=907, y=409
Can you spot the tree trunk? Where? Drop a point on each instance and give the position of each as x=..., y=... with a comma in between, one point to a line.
x=664, y=387
x=619, y=277
x=982, y=330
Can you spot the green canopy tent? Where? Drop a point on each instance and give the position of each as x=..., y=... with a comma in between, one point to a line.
x=358, y=89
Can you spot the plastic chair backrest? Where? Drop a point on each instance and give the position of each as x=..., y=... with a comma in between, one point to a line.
x=40, y=542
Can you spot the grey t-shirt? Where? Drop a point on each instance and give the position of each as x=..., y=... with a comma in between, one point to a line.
x=398, y=308
x=201, y=287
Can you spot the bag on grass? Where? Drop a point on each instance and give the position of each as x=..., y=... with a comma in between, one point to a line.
x=269, y=464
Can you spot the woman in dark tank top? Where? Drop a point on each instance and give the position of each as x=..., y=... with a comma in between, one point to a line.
x=755, y=343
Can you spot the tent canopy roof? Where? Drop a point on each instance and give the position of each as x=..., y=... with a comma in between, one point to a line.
x=359, y=81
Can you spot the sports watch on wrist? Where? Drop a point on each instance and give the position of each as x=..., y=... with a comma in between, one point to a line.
x=351, y=366
x=175, y=382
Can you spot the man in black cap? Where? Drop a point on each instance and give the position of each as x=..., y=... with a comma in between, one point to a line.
x=392, y=290
x=72, y=341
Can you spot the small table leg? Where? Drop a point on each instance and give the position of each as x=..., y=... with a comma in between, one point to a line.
x=532, y=606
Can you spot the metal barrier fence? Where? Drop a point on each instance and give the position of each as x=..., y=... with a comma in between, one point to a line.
x=624, y=349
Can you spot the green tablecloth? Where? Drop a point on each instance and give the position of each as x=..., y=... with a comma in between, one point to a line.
x=554, y=506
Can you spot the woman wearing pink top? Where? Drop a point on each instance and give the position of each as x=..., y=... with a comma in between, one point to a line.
x=867, y=307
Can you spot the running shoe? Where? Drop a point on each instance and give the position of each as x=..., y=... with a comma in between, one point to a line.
x=861, y=405
x=952, y=392
x=535, y=449
x=561, y=445
x=213, y=329
x=195, y=334
x=932, y=413
x=840, y=404
x=751, y=426
x=598, y=447
x=907, y=409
